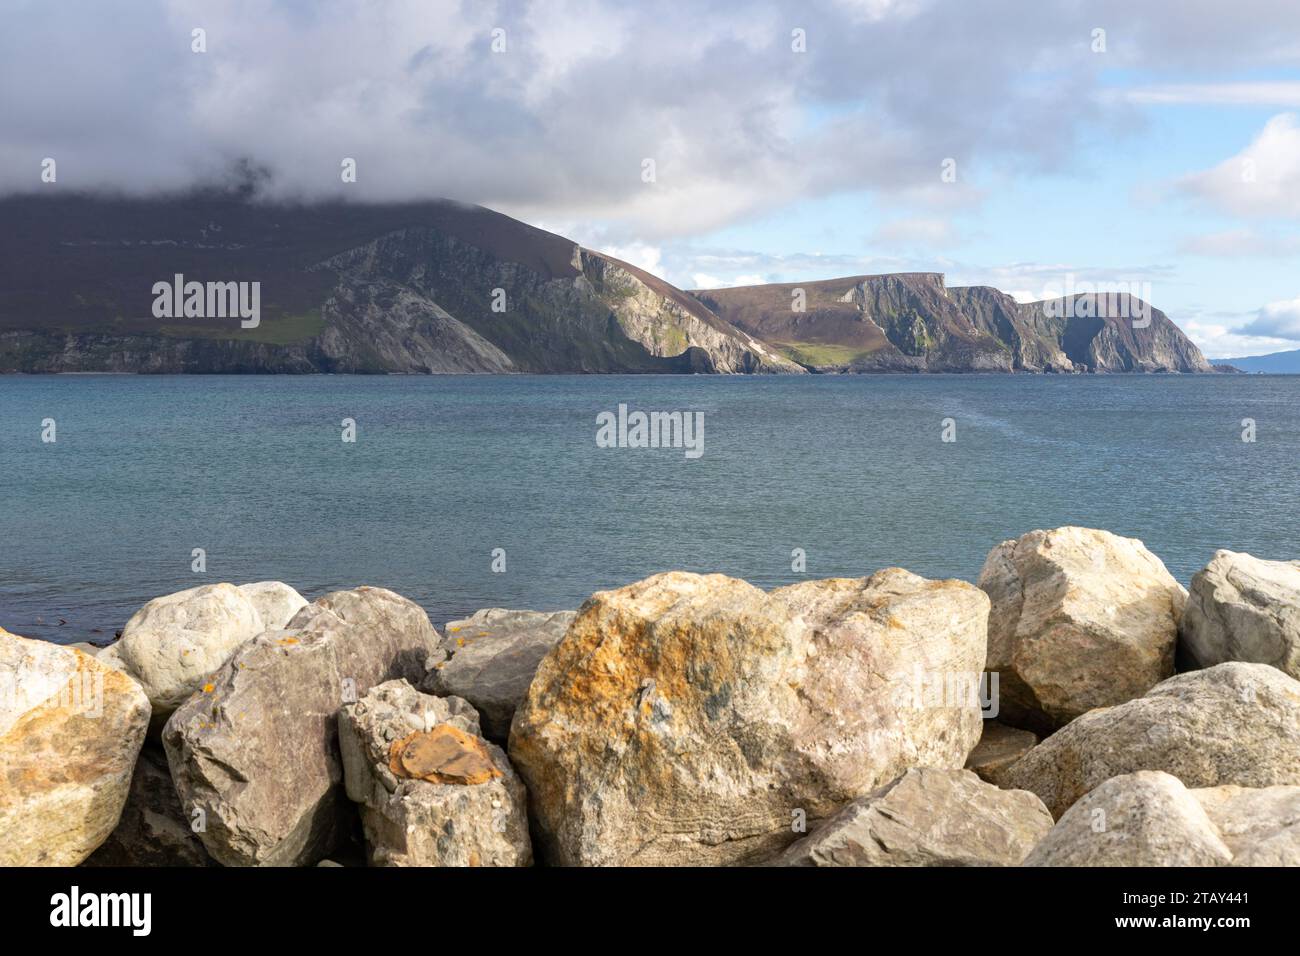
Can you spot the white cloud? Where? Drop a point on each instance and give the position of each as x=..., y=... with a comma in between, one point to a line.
x=918, y=231
x=638, y=254
x=1262, y=181
x=1242, y=243
x=1280, y=94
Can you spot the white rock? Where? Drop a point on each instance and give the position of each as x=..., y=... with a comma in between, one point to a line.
x=1080, y=619
x=275, y=601
x=1243, y=608
x=176, y=643
x=1230, y=724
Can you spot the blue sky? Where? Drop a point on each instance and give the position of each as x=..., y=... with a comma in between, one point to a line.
x=789, y=139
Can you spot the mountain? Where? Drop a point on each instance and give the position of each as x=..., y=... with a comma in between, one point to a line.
x=418, y=287
x=1275, y=363
x=446, y=287
x=913, y=322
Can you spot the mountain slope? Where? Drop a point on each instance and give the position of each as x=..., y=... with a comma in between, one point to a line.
x=913, y=322
x=445, y=287
x=421, y=287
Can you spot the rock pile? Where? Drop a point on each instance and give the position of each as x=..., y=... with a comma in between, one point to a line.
x=682, y=720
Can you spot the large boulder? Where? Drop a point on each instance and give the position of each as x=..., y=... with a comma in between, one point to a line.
x=174, y=644
x=928, y=818
x=153, y=829
x=685, y=719
x=275, y=601
x=1150, y=818
x=257, y=753
x=432, y=791
x=1260, y=826
x=1000, y=746
x=70, y=731
x=1140, y=819
x=489, y=659
x=1230, y=724
x=1080, y=619
x=1243, y=608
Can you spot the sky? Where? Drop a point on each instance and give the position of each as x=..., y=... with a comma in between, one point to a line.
x=1030, y=146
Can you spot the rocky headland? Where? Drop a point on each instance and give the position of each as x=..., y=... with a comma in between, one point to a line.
x=443, y=287
x=1076, y=707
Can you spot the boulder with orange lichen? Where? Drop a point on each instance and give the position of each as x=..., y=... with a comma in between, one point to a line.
x=71, y=729
x=256, y=750
x=690, y=719
x=432, y=791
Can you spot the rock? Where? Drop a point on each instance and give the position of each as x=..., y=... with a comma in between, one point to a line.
x=1260, y=826
x=153, y=829
x=686, y=718
x=70, y=730
x=432, y=791
x=1243, y=608
x=258, y=754
x=928, y=818
x=1139, y=819
x=1150, y=819
x=1080, y=619
x=491, y=659
x=276, y=603
x=176, y=643
x=1230, y=724
x=1000, y=746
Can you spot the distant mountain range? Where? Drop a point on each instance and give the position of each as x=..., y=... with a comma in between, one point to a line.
x=1276, y=363
x=444, y=287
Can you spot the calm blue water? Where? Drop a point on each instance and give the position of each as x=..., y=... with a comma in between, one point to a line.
x=445, y=469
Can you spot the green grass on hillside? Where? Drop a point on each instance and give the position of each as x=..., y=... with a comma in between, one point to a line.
x=816, y=353
x=273, y=330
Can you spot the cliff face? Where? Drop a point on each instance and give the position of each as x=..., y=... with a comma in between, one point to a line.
x=443, y=287
x=913, y=322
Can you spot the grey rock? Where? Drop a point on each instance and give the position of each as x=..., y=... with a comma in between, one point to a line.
x=928, y=818
x=419, y=822
x=490, y=659
x=1242, y=608
x=1229, y=724
x=259, y=753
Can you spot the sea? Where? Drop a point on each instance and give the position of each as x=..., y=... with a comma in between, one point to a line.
x=466, y=492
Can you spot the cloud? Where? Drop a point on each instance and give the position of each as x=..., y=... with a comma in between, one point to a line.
x=561, y=121
x=1241, y=244
x=1276, y=320
x=1277, y=94
x=1262, y=181
x=915, y=232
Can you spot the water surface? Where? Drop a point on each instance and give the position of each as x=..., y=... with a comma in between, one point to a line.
x=446, y=469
